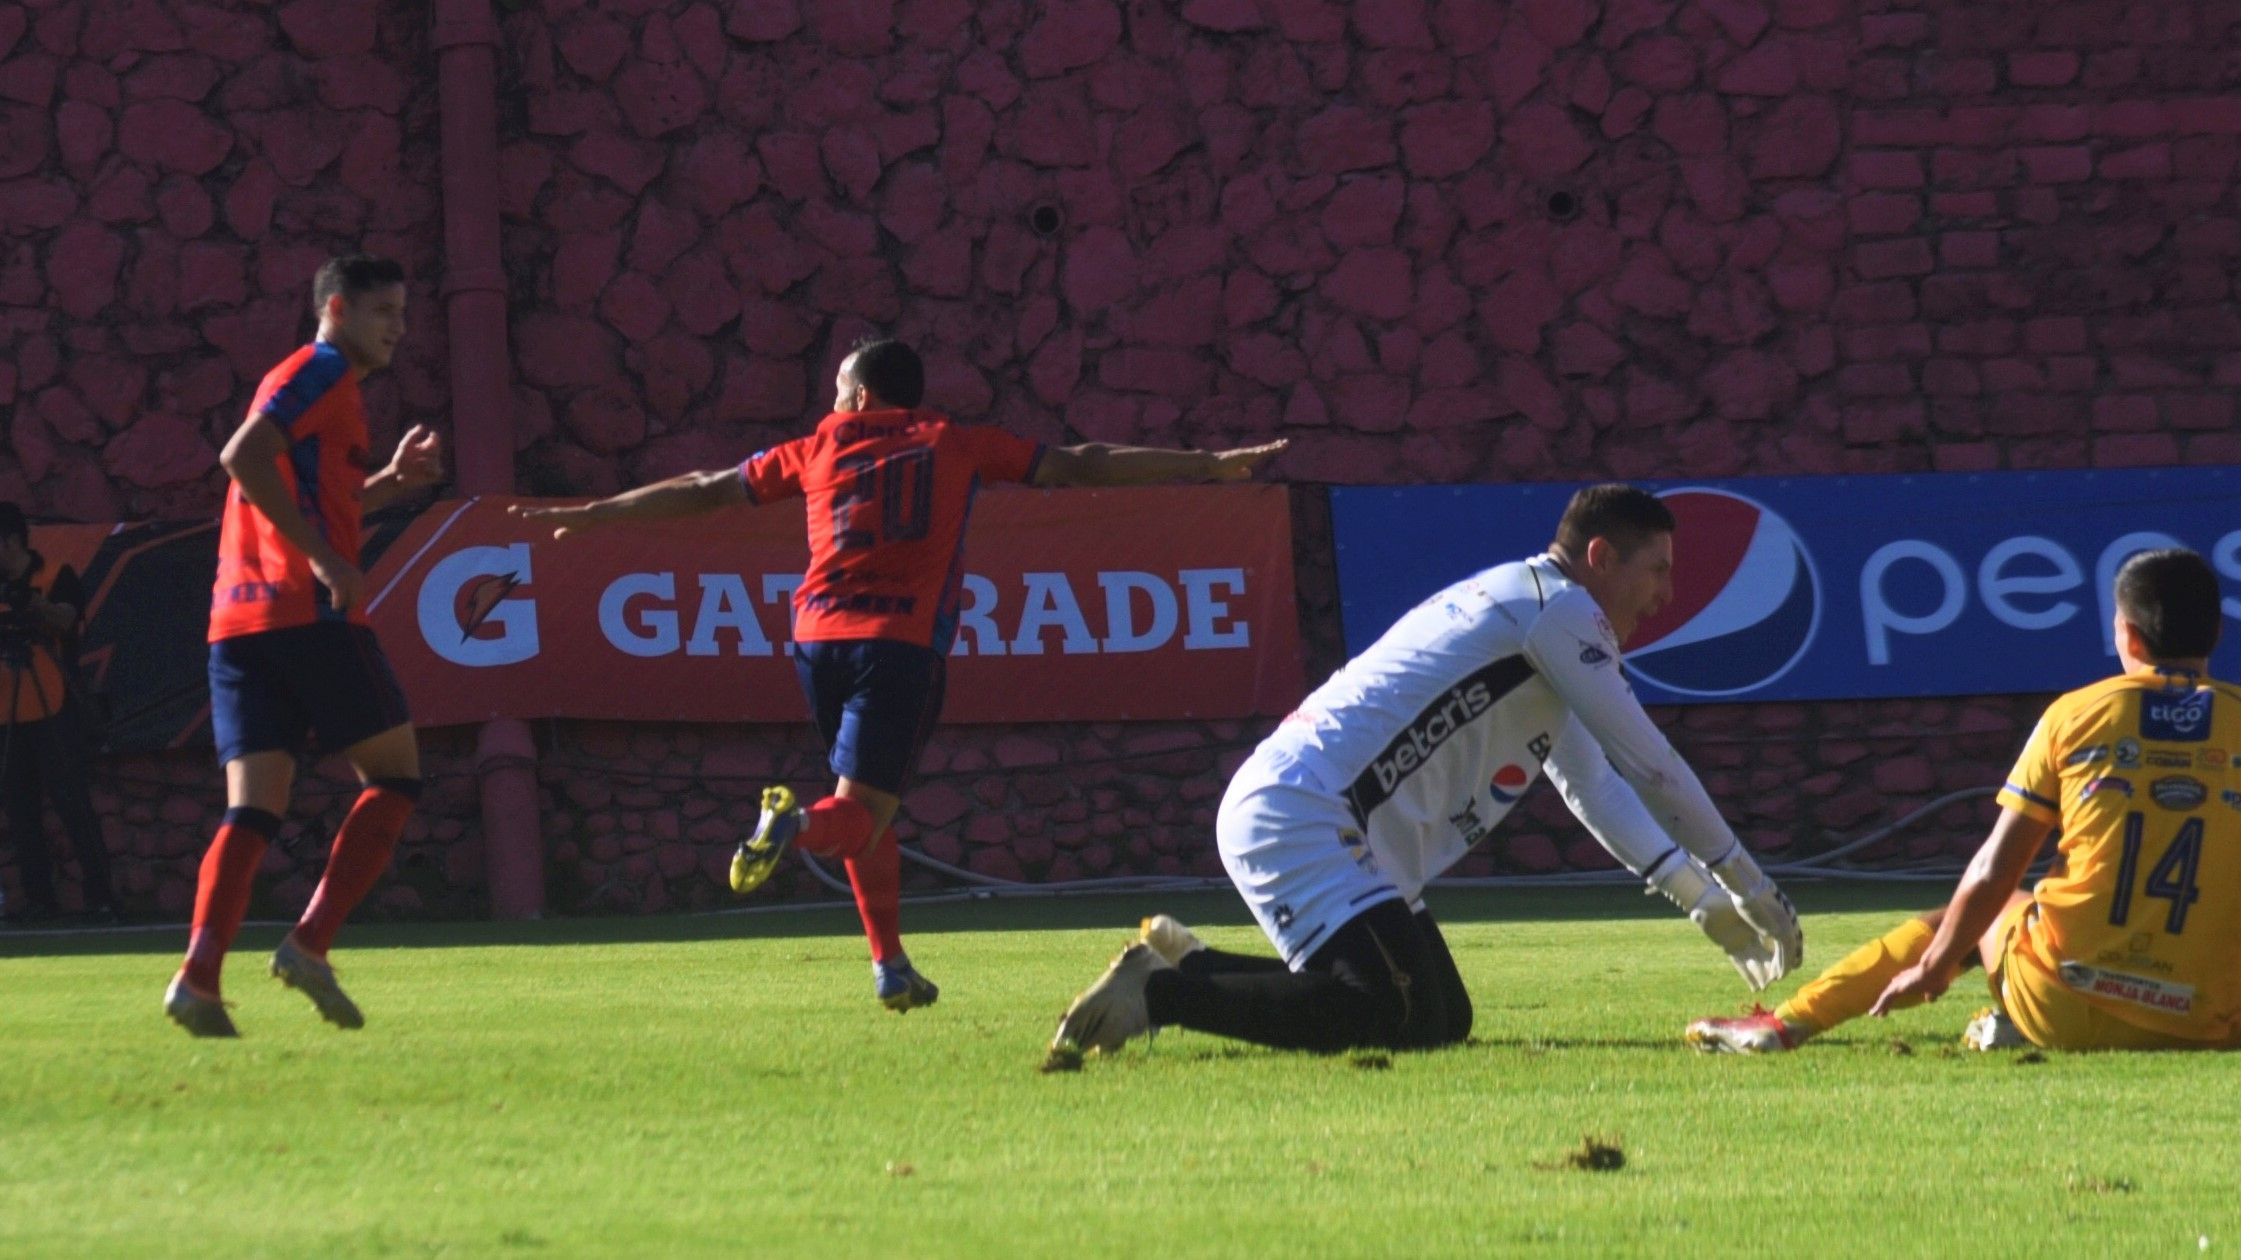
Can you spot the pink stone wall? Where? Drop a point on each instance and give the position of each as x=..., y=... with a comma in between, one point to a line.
x=1426, y=239
x=170, y=175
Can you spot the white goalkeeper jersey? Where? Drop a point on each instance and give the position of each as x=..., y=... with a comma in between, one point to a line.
x=1432, y=735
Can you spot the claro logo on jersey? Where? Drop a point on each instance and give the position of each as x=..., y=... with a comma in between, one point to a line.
x=1437, y=723
x=1746, y=599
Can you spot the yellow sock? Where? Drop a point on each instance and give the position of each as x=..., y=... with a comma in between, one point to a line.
x=1846, y=990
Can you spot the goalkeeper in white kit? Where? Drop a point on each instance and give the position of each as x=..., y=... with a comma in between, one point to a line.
x=1394, y=768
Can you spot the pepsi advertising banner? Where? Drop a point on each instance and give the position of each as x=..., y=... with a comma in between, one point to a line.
x=1833, y=588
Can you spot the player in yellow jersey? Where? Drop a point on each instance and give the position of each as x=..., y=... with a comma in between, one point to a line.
x=2134, y=941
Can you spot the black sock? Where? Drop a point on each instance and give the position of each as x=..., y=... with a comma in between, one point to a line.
x=1215, y=962
x=1376, y=982
x=1306, y=1010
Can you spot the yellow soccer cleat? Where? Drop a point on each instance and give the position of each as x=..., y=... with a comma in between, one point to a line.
x=901, y=989
x=774, y=833
x=1169, y=939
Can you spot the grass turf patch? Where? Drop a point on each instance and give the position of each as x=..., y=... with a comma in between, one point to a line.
x=728, y=1086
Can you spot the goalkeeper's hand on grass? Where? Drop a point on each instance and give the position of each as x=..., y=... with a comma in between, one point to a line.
x=1716, y=913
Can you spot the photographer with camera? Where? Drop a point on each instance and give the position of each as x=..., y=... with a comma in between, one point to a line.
x=42, y=746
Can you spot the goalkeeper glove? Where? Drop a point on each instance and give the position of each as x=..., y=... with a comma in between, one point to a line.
x=1715, y=913
x=1764, y=907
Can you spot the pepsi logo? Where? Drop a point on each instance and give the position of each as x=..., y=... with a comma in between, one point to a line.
x=1746, y=599
x=1510, y=783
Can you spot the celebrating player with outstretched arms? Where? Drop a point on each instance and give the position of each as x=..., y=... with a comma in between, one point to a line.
x=2134, y=941
x=1409, y=755
x=887, y=485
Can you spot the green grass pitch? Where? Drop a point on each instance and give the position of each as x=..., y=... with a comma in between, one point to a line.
x=726, y=1086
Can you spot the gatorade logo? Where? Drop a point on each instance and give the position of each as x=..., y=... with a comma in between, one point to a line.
x=1746, y=600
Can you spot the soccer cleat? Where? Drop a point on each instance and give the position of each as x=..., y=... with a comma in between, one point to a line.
x=1991, y=1029
x=1169, y=939
x=1111, y=1011
x=201, y=1014
x=312, y=977
x=1759, y=1032
x=901, y=989
x=759, y=853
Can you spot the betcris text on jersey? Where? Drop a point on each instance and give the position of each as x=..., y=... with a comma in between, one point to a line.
x=1416, y=744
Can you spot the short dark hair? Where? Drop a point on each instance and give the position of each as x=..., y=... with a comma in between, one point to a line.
x=351, y=275
x=1624, y=515
x=12, y=524
x=2171, y=597
x=890, y=370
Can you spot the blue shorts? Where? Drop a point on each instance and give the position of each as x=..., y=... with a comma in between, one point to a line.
x=325, y=685
x=875, y=702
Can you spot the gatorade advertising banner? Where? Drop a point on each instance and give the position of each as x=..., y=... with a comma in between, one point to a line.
x=1827, y=588
x=1077, y=605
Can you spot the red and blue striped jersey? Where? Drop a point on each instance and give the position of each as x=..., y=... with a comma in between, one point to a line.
x=264, y=582
x=888, y=495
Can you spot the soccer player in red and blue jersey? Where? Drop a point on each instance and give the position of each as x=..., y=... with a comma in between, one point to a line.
x=887, y=484
x=293, y=660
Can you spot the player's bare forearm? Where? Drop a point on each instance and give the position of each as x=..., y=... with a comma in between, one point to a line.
x=687, y=494
x=1993, y=876
x=252, y=458
x=416, y=465
x=381, y=490
x=1103, y=464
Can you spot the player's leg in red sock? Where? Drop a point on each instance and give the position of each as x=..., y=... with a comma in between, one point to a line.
x=229, y=871
x=361, y=852
x=837, y=826
x=877, y=877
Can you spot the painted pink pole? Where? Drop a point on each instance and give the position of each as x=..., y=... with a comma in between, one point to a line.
x=466, y=44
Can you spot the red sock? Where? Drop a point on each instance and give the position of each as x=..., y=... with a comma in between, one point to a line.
x=361, y=853
x=837, y=826
x=877, y=877
x=229, y=871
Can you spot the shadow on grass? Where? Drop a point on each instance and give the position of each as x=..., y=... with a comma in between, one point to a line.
x=1091, y=912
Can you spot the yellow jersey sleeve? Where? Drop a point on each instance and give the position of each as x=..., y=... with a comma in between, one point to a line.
x=2034, y=787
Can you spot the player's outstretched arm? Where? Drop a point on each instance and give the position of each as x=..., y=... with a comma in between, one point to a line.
x=252, y=458
x=687, y=494
x=1617, y=819
x=418, y=464
x=1574, y=652
x=1102, y=464
x=1994, y=875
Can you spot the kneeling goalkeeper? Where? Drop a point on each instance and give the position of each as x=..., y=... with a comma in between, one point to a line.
x=1389, y=773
